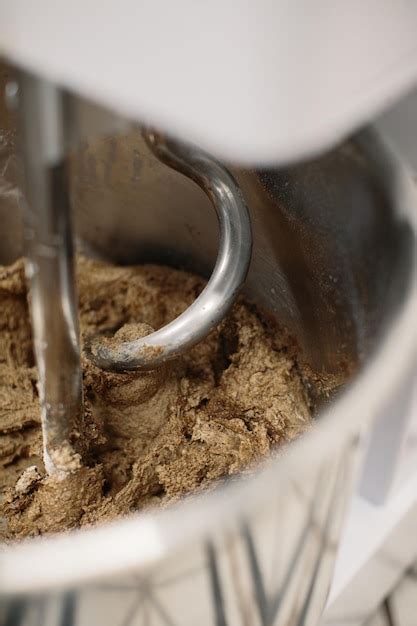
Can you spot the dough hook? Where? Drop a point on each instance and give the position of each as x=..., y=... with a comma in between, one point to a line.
x=50, y=269
x=228, y=276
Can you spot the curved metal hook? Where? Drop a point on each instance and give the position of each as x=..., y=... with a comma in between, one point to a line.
x=232, y=264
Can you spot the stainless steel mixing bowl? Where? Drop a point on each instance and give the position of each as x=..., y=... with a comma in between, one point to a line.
x=334, y=260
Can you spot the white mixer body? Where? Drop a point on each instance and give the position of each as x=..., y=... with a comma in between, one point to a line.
x=254, y=82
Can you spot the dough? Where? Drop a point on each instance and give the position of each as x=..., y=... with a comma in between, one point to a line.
x=148, y=438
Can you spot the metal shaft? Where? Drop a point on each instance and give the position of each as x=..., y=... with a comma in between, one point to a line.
x=50, y=272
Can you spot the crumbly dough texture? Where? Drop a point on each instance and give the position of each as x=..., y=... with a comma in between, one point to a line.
x=148, y=438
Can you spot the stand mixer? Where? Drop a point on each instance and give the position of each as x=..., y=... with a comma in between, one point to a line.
x=274, y=86
x=49, y=129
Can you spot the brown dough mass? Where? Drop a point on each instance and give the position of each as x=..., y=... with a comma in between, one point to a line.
x=149, y=438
